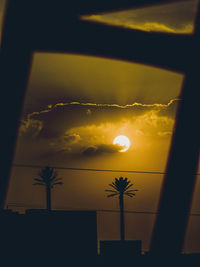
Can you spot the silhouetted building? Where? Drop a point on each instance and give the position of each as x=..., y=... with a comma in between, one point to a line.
x=11, y=240
x=44, y=237
x=127, y=248
x=64, y=233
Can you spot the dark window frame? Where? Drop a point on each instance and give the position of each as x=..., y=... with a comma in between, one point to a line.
x=34, y=26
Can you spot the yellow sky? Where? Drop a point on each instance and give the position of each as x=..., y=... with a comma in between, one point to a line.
x=75, y=106
x=177, y=17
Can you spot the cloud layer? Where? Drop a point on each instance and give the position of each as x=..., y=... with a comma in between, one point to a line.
x=171, y=18
x=64, y=116
x=88, y=129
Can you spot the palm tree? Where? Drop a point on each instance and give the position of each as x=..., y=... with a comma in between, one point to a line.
x=48, y=178
x=121, y=187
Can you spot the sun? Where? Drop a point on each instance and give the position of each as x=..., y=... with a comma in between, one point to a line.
x=123, y=141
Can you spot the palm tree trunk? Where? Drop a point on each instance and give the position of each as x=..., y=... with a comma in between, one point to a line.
x=48, y=197
x=122, y=226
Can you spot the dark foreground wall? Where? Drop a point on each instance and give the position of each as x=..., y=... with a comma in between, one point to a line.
x=41, y=237
x=127, y=248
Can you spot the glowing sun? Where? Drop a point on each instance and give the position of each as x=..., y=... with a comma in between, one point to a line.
x=123, y=141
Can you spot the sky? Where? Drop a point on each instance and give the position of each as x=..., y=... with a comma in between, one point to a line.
x=175, y=17
x=76, y=105
x=74, y=108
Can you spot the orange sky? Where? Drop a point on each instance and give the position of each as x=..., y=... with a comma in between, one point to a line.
x=69, y=121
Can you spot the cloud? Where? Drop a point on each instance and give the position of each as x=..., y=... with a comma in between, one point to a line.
x=71, y=138
x=88, y=112
x=165, y=133
x=152, y=123
x=139, y=132
x=30, y=128
x=65, y=132
x=159, y=27
x=101, y=149
x=65, y=142
x=89, y=105
x=57, y=120
x=152, y=119
x=143, y=26
x=171, y=18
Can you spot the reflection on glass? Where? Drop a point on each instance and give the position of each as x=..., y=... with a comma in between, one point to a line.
x=176, y=17
x=75, y=108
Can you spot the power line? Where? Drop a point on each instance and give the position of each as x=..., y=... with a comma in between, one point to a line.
x=90, y=170
x=143, y=212
x=130, y=211
x=22, y=205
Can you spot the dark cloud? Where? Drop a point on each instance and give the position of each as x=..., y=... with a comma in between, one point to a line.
x=71, y=138
x=30, y=128
x=101, y=149
x=65, y=142
x=66, y=132
x=171, y=109
x=56, y=120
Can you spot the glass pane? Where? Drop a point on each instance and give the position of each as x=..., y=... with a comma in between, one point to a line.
x=176, y=17
x=74, y=109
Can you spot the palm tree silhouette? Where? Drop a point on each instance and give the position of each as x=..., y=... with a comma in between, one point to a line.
x=121, y=187
x=48, y=178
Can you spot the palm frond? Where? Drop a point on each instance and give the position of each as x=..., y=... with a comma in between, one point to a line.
x=129, y=186
x=38, y=183
x=53, y=177
x=56, y=179
x=57, y=183
x=46, y=172
x=113, y=191
x=131, y=191
x=113, y=186
x=38, y=180
x=112, y=195
x=125, y=181
x=129, y=194
x=47, y=175
x=117, y=181
x=121, y=185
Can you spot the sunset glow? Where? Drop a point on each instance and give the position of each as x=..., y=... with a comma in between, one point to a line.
x=123, y=141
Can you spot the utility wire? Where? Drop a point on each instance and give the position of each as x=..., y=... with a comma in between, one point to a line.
x=23, y=205
x=92, y=170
